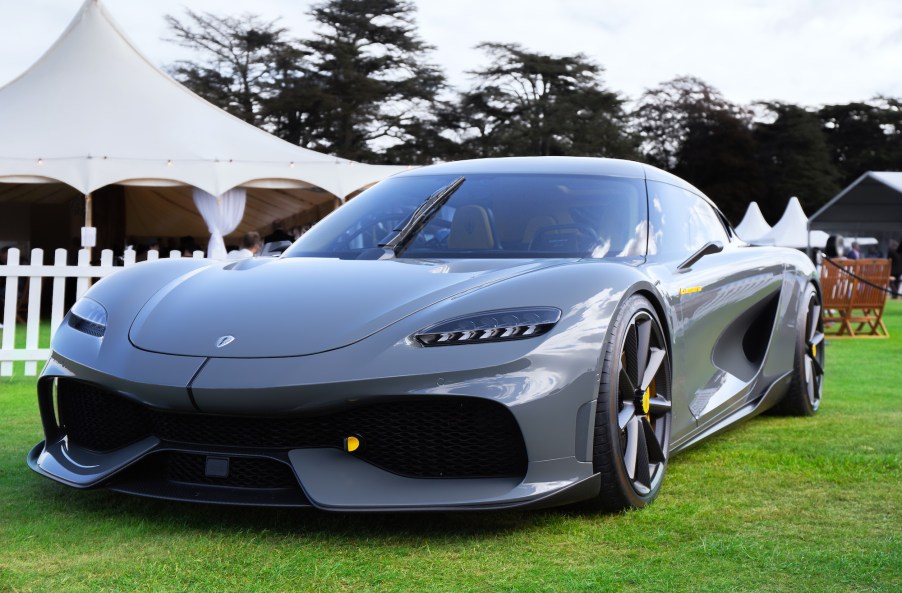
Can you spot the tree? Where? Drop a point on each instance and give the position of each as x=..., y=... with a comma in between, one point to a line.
x=293, y=107
x=237, y=57
x=374, y=86
x=864, y=136
x=718, y=156
x=687, y=127
x=664, y=116
x=794, y=160
x=428, y=142
x=527, y=103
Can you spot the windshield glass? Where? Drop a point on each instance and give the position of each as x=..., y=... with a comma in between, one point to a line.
x=490, y=216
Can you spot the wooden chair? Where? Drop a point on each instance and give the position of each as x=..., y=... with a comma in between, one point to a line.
x=872, y=278
x=837, y=287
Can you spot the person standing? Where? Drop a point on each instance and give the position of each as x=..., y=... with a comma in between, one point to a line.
x=834, y=247
x=278, y=233
x=250, y=246
x=895, y=256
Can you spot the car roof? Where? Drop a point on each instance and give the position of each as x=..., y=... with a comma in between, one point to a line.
x=564, y=165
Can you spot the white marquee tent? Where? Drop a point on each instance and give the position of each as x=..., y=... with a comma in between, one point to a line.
x=93, y=111
x=792, y=230
x=753, y=224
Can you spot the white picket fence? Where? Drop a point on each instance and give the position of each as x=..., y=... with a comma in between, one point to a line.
x=33, y=275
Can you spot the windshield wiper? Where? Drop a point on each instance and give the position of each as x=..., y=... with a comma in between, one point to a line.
x=420, y=217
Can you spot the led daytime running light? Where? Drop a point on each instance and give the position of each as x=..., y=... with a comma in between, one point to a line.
x=491, y=326
x=88, y=316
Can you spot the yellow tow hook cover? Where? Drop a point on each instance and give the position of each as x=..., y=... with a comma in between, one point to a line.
x=351, y=444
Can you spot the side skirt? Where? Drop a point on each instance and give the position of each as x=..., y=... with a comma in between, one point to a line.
x=773, y=394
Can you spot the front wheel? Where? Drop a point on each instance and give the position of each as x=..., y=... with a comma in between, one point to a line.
x=804, y=395
x=633, y=415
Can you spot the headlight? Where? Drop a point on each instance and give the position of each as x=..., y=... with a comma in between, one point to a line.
x=88, y=316
x=490, y=326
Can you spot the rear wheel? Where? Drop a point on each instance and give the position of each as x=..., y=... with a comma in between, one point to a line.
x=633, y=416
x=804, y=395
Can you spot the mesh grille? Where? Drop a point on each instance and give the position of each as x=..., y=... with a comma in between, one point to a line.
x=437, y=437
x=244, y=472
x=96, y=421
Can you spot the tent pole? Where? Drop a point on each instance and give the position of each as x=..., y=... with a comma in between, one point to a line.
x=89, y=216
x=808, y=237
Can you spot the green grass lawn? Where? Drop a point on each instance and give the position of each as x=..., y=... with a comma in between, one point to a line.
x=777, y=504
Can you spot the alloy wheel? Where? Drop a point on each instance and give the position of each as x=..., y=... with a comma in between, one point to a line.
x=814, y=352
x=644, y=408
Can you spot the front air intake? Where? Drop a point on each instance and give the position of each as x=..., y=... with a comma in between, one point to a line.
x=424, y=437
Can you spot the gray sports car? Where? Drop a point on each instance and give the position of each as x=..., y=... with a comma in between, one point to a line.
x=473, y=335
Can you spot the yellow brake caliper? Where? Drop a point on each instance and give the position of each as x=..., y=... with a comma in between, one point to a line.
x=646, y=399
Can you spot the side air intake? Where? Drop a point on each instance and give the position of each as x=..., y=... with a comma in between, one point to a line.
x=741, y=348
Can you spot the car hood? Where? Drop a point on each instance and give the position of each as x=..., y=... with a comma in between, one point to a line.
x=299, y=306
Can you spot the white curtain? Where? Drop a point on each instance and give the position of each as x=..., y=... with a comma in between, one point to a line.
x=222, y=215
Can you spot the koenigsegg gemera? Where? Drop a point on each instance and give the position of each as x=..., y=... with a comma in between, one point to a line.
x=472, y=335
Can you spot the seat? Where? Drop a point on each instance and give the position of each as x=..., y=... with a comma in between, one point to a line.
x=869, y=296
x=534, y=224
x=855, y=294
x=471, y=229
x=837, y=287
x=564, y=238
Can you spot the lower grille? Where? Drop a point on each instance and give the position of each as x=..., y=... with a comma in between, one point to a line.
x=176, y=475
x=244, y=472
x=435, y=437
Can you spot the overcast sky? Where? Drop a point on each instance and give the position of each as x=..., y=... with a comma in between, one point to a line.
x=809, y=52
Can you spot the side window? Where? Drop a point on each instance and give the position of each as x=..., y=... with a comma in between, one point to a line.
x=681, y=222
x=731, y=232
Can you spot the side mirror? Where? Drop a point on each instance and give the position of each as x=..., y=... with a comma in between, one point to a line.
x=708, y=248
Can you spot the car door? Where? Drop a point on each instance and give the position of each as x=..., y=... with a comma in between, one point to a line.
x=722, y=301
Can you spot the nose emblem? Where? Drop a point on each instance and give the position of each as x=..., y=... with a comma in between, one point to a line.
x=224, y=341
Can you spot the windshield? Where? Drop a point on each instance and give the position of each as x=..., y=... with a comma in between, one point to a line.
x=490, y=216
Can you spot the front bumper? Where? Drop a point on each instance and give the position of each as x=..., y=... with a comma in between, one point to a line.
x=555, y=425
x=335, y=482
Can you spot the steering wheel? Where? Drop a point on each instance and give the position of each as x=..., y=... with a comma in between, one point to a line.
x=583, y=233
x=438, y=230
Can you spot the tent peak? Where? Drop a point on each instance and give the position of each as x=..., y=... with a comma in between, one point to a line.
x=794, y=204
x=121, y=81
x=792, y=228
x=93, y=110
x=753, y=224
x=85, y=12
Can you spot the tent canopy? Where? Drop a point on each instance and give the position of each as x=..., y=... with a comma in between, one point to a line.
x=93, y=112
x=792, y=229
x=753, y=224
x=160, y=211
x=872, y=203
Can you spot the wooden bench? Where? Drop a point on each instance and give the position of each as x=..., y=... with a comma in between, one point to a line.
x=837, y=288
x=870, y=294
x=855, y=295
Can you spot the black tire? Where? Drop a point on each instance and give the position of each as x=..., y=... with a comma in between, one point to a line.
x=806, y=385
x=630, y=449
